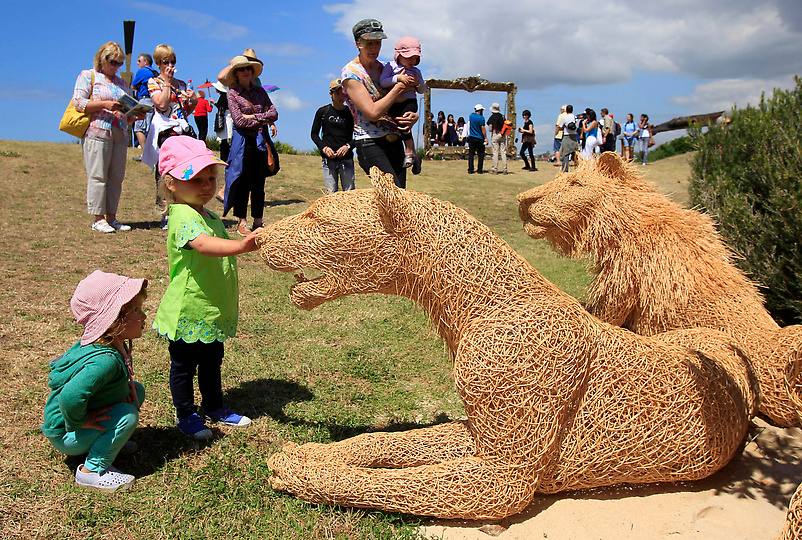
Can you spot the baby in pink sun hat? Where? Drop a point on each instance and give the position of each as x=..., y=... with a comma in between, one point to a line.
x=93, y=407
x=403, y=69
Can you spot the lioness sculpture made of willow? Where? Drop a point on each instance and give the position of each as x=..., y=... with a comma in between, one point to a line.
x=555, y=399
x=659, y=266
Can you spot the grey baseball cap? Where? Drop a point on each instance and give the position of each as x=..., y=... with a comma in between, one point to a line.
x=368, y=29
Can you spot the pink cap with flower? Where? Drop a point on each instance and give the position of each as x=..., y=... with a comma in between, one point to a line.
x=407, y=47
x=98, y=299
x=183, y=157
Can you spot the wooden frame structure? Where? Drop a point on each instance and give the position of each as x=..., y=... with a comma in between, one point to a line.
x=470, y=84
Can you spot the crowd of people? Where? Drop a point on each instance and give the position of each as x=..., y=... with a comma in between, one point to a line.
x=588, y=135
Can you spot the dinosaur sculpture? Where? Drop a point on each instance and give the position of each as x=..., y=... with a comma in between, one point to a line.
x=555, y=399
x=659, y=266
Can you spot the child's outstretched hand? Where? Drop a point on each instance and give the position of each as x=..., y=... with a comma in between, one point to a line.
x=213, y=246
x=94, y=417
x=249, y=242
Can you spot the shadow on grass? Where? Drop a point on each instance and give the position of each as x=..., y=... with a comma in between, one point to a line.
x=157, y=447
x=283, y=202
x=262, y=397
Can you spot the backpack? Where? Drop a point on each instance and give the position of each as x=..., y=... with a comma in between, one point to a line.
x=617, y=129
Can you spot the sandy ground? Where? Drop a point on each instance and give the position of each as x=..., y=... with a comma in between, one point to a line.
x=747, y=500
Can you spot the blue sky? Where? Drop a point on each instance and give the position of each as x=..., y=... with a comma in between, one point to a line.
x=673, y=58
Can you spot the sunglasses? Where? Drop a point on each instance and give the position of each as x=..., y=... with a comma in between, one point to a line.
x=246, y=68
x=114, y=63
x=168, y=62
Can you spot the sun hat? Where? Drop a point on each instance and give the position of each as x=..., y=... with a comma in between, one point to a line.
x=368, y=29
x=227, y=78
x=478, y=107
x=407, y=47
x=495, y=108
x=183, y=157
x=217, y=85
x=335, y=84
x=250, y=54
x=98, y=299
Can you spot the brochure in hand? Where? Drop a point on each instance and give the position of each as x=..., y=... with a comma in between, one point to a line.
x=132, y=106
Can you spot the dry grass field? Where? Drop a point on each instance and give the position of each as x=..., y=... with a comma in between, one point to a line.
x=357, y=364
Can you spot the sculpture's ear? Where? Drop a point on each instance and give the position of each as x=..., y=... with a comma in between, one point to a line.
x=389, y=197
x=611, y=165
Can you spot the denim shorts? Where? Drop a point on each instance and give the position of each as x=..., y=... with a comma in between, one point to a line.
x=144, y=125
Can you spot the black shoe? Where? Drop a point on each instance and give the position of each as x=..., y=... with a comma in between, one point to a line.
x=471, y=172
x=526, y=168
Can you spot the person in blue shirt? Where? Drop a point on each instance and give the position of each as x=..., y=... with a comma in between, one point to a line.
x=139, y=85
x=630, y=132
x=477, y=138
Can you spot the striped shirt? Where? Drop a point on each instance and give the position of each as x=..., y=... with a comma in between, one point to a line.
x=103, y=90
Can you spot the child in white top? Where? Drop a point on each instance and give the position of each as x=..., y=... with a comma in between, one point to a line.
x=407, y=56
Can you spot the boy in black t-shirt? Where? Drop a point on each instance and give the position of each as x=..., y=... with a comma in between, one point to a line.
x=337, y=125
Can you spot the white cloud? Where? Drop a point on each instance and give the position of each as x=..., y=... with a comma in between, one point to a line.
x=725, y=93
x=288, y=101
x=203, y=23
x=285, y=49
x=539, y=43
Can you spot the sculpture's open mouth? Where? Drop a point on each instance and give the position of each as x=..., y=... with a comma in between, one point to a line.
x=534, y=229
x=308, y=293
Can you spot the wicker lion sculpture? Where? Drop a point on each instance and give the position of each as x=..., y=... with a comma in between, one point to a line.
x=659, y=267
x=555, y=399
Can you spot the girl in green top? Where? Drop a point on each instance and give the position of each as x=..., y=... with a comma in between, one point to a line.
x=93, y=407
x=199, y=310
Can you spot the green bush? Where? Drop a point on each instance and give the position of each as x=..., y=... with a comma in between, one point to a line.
x=680, y=145
x=748, y=175
x=284, y=148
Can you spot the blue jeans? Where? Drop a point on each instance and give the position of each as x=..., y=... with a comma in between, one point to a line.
x=185, y=359
x=102, y=446
x=338, y=168
x=385, y=154
x=527, y=146
x=644, y=147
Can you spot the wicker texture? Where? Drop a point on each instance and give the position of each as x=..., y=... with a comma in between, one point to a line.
x=555, y=399
x=660, y=267
x=793, y=521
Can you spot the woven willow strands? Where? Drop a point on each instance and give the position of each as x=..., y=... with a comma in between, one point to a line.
x=659, y=267
x=793, y=520
x=555, y=399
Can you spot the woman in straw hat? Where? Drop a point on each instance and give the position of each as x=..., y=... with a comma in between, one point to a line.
x=251, y=112
x=378, y=143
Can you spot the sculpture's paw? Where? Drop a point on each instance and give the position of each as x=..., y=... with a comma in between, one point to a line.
x=289, y=447
x=276, y=462
x=280, y=465
x=277, y=484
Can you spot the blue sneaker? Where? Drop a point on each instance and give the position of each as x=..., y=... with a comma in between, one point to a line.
x=226, y=416
x=193, y=426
